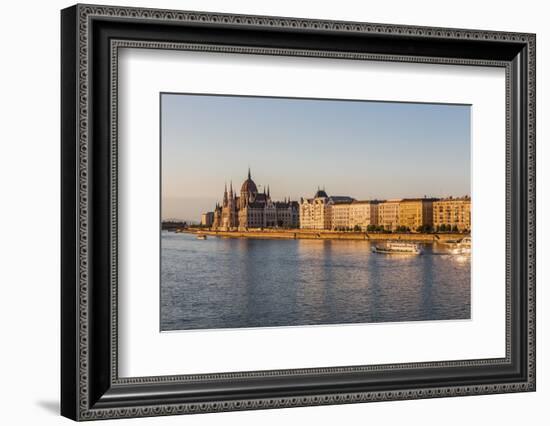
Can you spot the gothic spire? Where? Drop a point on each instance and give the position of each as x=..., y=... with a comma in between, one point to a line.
x=225, y=195
x=249, y=175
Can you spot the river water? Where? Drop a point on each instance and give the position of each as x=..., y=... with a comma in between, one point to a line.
x=233, y=283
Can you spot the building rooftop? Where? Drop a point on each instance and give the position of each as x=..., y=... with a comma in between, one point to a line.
x=285, y=204
x=365, y=202
x=341, y=199
x=320, y=194
x=419, y=199
x=256, y=205
x=463, y=198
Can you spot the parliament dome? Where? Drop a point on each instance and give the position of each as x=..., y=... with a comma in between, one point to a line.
x=249, y=186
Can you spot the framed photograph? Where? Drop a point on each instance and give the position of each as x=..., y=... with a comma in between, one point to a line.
x=263, y=212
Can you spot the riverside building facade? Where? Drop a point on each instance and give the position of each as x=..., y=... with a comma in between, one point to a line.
x=416, y=214
x=452, y=213
x=362, y=214
x=251, y=209
x=354, y=215
x=317, y=212
x=388, y=214
x=337, y=213
x=207, y=219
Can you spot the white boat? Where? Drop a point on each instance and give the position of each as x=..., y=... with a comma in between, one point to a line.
x=398, y=248
x=464, y=246
x=461, y=250
x=466, y=242
x=201, y=237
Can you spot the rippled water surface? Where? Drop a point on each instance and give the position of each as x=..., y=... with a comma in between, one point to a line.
x=232, y=283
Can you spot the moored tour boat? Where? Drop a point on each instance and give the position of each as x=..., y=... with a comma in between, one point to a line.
x=464, y=246
x=466, y=242
x=398, y=248
x=461, y=250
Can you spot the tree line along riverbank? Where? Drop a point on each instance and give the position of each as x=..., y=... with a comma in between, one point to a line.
x=311, y=234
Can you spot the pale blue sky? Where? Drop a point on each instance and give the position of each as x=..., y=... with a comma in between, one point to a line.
x=361, y=149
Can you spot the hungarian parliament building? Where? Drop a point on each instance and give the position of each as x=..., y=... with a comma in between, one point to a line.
x=251, y=209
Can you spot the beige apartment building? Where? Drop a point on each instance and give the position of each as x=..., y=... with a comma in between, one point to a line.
x=388, y=214
x=207, y=219
x=350, y=215
x=453, y=212
x=415, y=213
x=340, y=216
x=317, y=212
x=362, y=214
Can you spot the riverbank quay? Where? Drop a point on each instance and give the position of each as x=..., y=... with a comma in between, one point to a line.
x=311, y=234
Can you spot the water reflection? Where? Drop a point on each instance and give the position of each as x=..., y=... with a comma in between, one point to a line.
x=231, y=283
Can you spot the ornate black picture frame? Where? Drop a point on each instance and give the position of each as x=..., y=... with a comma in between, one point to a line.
x=91, y=36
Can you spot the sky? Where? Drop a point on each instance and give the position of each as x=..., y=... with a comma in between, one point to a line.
x=366, y=150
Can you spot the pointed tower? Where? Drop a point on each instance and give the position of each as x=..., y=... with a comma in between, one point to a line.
x=225, y=196
x=231, y=206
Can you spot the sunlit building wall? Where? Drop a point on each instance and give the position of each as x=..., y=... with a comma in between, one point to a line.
x=452, y=212
x=415, y=213
x=388, y=214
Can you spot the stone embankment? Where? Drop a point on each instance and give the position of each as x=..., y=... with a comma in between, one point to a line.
x=310, y=234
